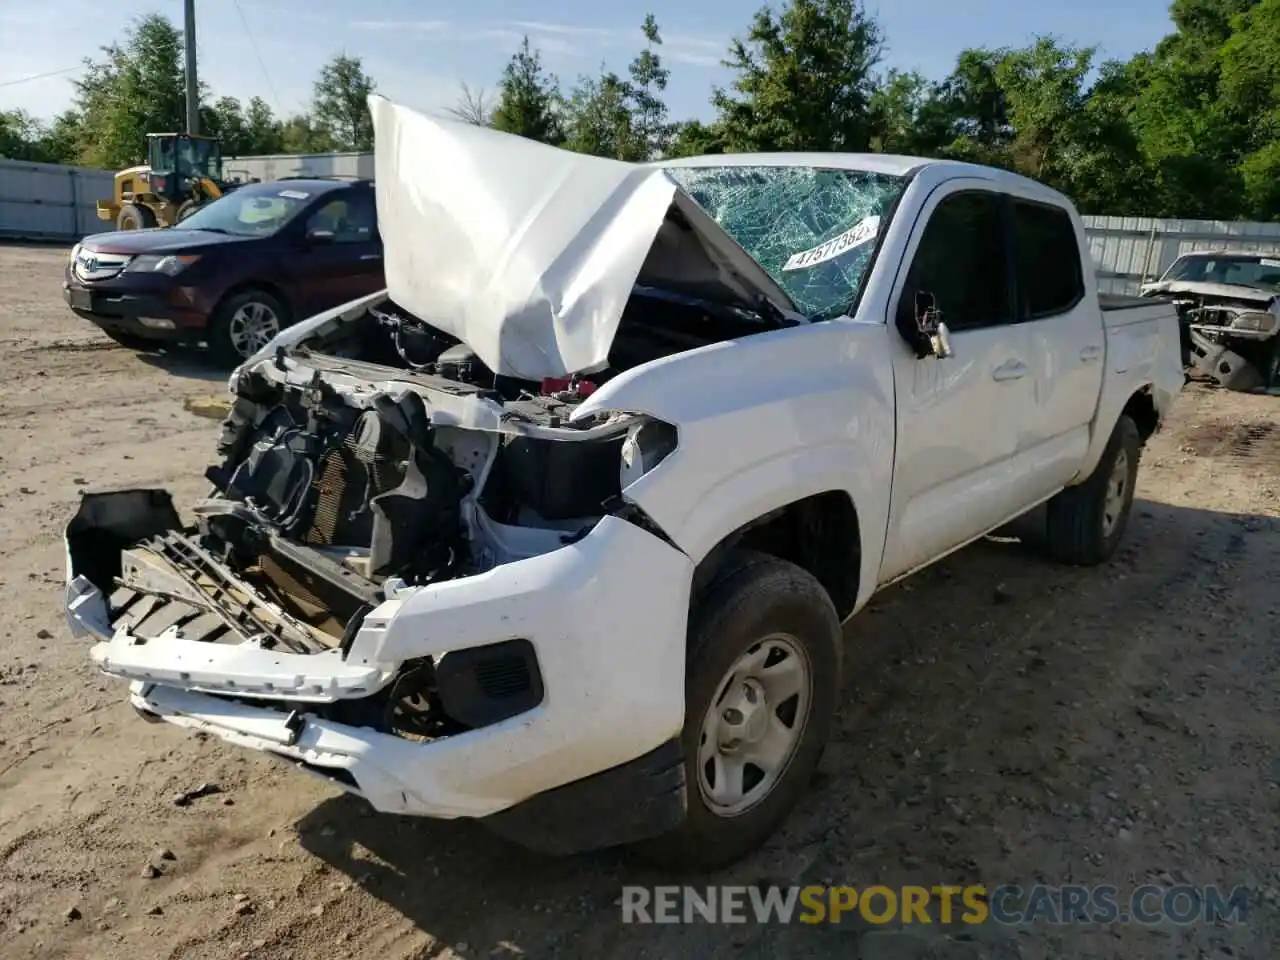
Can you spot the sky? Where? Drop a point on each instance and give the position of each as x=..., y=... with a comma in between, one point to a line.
x=419, y=52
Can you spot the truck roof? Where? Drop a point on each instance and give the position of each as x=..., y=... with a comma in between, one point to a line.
x=890, y=164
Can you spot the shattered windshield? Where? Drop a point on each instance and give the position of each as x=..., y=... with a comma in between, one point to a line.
x=812, y=229
x=1262, y=273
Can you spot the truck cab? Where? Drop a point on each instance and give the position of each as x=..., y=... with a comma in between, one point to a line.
x=558, y=531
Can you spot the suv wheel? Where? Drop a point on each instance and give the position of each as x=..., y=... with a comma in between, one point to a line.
x=243, y=324
x=761, y=684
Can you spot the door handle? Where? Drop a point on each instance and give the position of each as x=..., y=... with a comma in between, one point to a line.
x=371, y=256
x=1090, y=353
x=1009, y=370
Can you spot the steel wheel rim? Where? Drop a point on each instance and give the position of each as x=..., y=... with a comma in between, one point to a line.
x=252, y=327
x=1117, y=490
x=751, y=730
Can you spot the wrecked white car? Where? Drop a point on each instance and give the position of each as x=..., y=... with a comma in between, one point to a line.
x=558, y=533
x=1229, y=305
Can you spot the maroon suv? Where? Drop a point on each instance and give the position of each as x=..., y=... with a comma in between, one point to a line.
x=235, y=272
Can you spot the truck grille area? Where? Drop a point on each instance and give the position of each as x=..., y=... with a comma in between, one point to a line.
x=171, y=581
x=149, y=615
x=368, y=463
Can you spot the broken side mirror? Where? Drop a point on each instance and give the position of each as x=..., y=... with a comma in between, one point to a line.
x=920, y=323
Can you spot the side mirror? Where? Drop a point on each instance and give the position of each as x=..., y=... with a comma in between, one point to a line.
x=920, y=323
x=320, y=237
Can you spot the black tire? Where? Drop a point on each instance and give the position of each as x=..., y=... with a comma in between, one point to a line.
x=135, y=217
x=222, y=345
x=755, y=596
x=1080, y=529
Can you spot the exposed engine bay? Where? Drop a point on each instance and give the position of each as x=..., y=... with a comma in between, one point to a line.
x=347, y=475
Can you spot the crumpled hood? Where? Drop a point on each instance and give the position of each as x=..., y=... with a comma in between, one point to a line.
x=525, y=252
x=1228, y=291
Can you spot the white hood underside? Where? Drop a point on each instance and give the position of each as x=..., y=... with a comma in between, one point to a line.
x=528, y=253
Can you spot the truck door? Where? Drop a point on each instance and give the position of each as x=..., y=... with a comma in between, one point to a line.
x=1057, y=307
x=959, y=417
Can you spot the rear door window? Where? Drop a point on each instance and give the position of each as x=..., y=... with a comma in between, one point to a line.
x=1049, y=276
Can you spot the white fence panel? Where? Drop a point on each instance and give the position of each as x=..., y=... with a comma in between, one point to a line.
x=50, y=201
x=1128, y=250
x=300, y=165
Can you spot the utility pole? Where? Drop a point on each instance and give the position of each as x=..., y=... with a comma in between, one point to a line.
x=193, y=89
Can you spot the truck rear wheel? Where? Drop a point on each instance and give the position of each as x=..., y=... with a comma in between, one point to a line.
x=1087, y=521
x=135, y=217
x=761, y=684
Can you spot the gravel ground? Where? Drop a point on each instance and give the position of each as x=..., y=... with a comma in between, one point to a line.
x=1005, y=721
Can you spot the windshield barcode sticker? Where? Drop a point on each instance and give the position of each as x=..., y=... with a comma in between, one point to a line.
x=865, y=230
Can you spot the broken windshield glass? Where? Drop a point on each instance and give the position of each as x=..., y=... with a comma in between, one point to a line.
x=813, y=229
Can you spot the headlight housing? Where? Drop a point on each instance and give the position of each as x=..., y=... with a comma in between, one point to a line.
x=1255, y=321
x=168, y=264
x=74, y=250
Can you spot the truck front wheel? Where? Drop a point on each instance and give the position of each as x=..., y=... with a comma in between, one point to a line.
x=1086, y=522
x=760, y=691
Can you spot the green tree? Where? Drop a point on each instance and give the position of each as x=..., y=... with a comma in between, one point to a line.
x=651, y=130
x=63, y=138
x=22, y=137
x=301, y=134
x=905, y=115
x=804, y=79
x=225, y=119
x=1045, y=95
x=1249, y=91
x=340, y=103
x=599, y=118
x=693, y=138
x=972, y=111
x=137, y=89
x=623, y=118
x=262, y=131
x=528, y=98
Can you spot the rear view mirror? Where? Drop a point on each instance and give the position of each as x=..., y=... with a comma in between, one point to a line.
x=920, y=323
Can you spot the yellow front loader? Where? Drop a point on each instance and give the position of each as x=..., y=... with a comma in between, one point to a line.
x=183, y=172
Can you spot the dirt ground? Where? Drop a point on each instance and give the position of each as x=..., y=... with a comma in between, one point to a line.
x=1005, y=721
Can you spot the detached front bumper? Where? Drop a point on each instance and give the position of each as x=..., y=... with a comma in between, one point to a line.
x=605, y=616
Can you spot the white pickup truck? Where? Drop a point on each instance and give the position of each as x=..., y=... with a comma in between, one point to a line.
x=559, y=531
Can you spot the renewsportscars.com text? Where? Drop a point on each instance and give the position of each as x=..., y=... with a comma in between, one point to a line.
x=973, y=904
